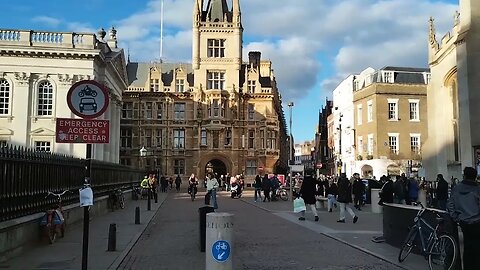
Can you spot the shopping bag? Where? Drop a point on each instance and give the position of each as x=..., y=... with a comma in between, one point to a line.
x=299, y=205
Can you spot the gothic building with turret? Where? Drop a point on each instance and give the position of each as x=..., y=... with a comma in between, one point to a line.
x=218, y=113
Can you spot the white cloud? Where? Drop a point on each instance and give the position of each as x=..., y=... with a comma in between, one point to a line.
x=46, y=20
x=347, y=35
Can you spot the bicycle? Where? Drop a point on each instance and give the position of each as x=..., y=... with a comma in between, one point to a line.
x=116, y=200
x=192, y=190
x=53, y=222
x=440, y=249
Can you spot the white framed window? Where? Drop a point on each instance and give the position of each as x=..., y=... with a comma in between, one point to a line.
x=251, y=111
x=370, y=144
x=251, y=86
x=126, y=137
x=178, y=138
x=43, y=146
x=360, y=145
x=359, y=114
x=4, y=97
x=251, y=168
x=216, y=80
x=179, y=85
x=179, y=167
x=414, y=105
x=393, y=143
x=427, y=77
x=388, y=77
x=203, y=137
x=127, y=110
x=369, y=111
x=393, y=109
x=45, y=99
x=154, y=85
x=179, y=111
x=415, y=143
x=216, y=48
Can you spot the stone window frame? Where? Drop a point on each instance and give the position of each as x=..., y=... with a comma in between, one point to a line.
x=41, y=97
x=203, y=137
x=394, y=143
x=216, y=79
x=418, y=145
x=216, y=48
x=179, y=166
x=251, y=167
x=126, y=137
x=416, y=118
x=6, y=93
x=395, y=112
x=43, y=145
x=179, y=139
x=179, y=114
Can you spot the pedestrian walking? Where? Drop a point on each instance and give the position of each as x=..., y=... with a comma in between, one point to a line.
x=307, y=192
x=413, y=189
x=258, y=188
x=345, y=198
x=178, y=182
x=266, y=188
x=386, y=193
x=442, y=192
x=332, y=192
x=464, y=208
x=358, y=191
x=400, y=190
x=212, y=186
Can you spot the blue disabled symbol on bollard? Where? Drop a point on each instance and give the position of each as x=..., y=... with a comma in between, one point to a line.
x=221, y=250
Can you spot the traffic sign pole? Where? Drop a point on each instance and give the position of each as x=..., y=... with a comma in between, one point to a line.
x=86, y=212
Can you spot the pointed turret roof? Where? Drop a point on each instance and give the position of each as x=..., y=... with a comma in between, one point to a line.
x=217, y=9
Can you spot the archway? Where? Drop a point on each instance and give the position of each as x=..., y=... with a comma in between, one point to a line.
x=367, y=171
x=216, y=166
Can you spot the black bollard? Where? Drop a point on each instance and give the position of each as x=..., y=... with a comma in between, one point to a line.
x=112, y=237
x=156, y=196
x=149, y=200
x=137, y=215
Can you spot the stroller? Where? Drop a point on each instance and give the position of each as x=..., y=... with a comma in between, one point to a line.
x=235, y=191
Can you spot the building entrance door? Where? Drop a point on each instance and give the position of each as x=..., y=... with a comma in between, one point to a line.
x=216, y=166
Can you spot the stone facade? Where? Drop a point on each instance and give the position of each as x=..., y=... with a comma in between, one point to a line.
x=37, y=68
x=453, y=96
x=218, y=113
x=390, y=120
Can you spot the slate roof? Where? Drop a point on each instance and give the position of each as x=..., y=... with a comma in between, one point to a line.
x=403, y=75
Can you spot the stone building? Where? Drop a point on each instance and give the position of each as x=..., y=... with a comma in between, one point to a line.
x=323, y=155
x=37, y=68
x=217, y=113
x=453, y=96
x=390, y=108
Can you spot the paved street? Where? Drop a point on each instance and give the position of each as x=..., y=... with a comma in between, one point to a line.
x=263, y=240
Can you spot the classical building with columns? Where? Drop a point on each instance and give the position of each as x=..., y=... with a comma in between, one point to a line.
x=37, y=68
x=217, y=113
x=453, y=96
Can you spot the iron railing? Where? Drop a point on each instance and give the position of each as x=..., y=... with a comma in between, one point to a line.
x=27, y=176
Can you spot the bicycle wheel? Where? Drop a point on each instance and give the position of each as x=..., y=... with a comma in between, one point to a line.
x=192, y=195
x=408, y=244
x=122, y=201
x=443, y=253
x=284, y=195
x=51, y=232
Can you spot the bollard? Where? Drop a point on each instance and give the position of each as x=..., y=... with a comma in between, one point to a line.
x=219, y=242
x=156, y=196
x=202, y=211
x=149, y=200
x=375, y=198
x=112, y=237
x=137, y=215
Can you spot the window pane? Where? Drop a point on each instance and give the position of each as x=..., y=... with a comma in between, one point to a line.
x=45, y=99
x=4, y=96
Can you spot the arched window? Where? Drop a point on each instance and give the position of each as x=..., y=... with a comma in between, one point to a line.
x=45, y=99
x=4, y=96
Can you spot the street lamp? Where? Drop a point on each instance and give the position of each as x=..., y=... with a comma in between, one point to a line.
x=312, y=157
x=290, y=106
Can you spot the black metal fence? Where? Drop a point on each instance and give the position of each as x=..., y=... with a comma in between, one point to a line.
x=27, y=176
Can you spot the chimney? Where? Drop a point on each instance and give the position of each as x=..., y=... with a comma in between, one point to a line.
x=254, y=59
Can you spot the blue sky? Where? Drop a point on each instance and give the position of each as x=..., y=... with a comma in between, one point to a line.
x=313, y=44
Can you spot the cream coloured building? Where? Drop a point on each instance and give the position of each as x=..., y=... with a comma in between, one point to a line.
x=453, y=96
x=218, y=113
x=37, y=68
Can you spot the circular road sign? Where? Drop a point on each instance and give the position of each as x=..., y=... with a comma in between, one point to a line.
x=87, y=99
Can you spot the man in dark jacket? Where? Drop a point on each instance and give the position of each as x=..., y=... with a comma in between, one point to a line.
x=258, y=187
x=400, y=190
x=307, y=192
x=266, y=188
x=344, y=198
x=386, y=193
x=442, y=192
x=464, y=208
x=358, y=191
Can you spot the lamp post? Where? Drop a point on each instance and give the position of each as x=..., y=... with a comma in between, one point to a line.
x=313, y=159
x=290, y=106
x=143, y=154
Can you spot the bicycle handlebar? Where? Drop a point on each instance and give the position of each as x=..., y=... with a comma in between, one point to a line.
x=57, y=194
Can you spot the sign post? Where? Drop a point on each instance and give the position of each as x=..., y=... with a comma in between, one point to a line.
x=88, y=100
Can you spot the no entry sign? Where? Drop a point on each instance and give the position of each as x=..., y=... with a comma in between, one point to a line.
x=82, y=131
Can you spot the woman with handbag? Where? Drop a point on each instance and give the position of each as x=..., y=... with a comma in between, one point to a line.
x=307, y=192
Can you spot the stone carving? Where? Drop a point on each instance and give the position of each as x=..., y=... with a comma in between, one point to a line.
x=113, y=33
x=457, y=18
x=431, y=35
x=65, y=78
x=83, y=77
x=22, y=77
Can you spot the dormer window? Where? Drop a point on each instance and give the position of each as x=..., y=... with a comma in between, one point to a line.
x=154, y=85
x=179, y=85
x=388, y=77
x=251, y=86
x=427, y=77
